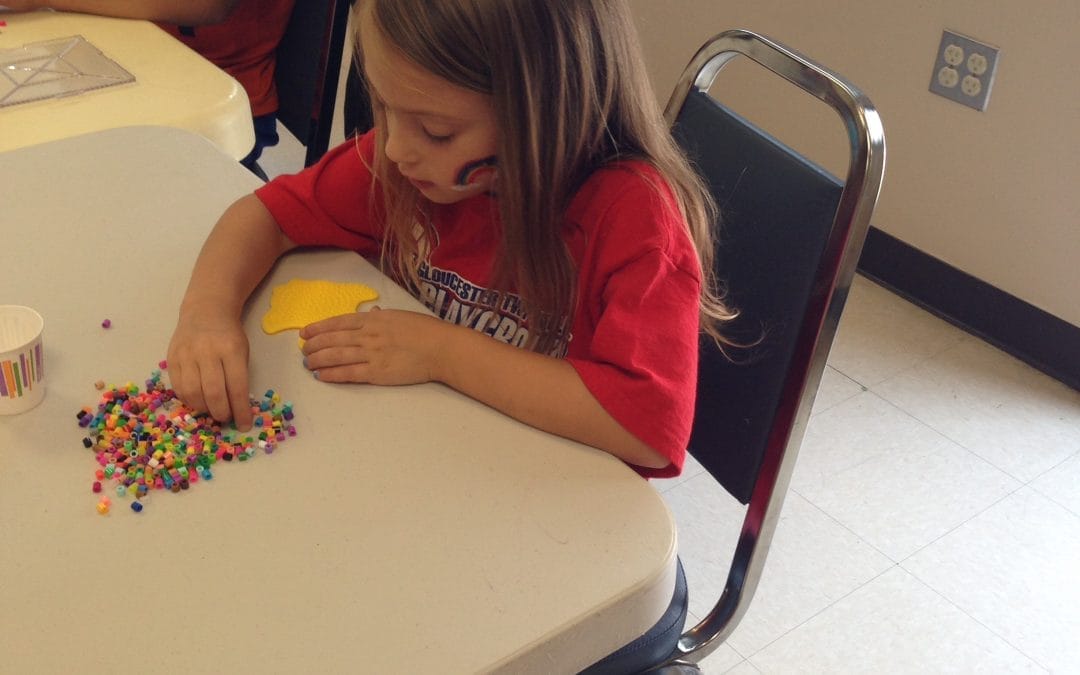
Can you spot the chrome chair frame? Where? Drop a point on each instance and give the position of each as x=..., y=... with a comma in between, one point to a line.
x=815, y=334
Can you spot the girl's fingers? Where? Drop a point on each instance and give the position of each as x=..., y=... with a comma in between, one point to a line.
x=353, y=321
x=329, y=339
x=359, y=373
x=214, y=391
x=188, y=386
x=209, y=370
x=334, y=357
x=236, y=379
x=176, y=375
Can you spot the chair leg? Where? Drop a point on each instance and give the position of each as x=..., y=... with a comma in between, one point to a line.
x=674, y=669
x=254, y=168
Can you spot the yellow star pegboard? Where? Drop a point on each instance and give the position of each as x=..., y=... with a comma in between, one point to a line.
x=302, y=301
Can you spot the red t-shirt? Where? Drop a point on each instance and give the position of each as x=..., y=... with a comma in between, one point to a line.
x=244, y=46
x=634, y=338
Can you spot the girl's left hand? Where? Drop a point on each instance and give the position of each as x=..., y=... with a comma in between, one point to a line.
x=381, y=346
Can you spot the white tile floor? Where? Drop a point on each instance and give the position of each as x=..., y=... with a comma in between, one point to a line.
x=933, y=521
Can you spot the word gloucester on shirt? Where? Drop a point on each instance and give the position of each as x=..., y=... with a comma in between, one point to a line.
x=455, y=299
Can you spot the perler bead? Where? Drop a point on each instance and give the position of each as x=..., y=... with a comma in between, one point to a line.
x=106, y=323
x=147, y=440
x=136, y=506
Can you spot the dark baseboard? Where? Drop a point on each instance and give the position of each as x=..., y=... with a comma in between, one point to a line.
x=1032, y=335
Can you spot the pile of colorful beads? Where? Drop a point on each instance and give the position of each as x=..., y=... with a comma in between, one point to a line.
x=148, y=440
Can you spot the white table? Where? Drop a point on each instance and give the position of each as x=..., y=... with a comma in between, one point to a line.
x=405, y=529
x=174, y=86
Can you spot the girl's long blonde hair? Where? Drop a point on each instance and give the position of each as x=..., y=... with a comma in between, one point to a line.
x=570, y=94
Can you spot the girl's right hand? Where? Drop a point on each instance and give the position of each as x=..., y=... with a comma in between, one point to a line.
x=208, y=353
x=208, y=366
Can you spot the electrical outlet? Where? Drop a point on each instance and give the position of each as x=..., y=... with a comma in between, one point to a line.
x=964, y=70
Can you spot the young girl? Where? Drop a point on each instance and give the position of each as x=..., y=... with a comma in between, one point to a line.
x=520, y=181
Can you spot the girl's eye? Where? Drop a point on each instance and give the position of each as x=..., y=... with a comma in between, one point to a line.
x=438, y=138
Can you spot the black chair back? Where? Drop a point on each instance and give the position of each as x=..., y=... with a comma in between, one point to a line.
x=308, y=63
x=777, y=211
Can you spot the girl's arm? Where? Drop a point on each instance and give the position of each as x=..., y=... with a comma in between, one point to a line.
x=400, y=347
x=209, y=350
x=183, y=12
x=542, y=391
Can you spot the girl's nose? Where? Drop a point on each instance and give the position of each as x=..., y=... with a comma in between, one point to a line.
x=398, y=148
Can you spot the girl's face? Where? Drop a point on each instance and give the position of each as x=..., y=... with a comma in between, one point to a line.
x=441, y=137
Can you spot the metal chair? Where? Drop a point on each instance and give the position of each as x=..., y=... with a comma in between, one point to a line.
x=790, y=238
x=308, y=65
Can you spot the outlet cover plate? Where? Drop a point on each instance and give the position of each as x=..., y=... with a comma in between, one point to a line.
x=964, y=70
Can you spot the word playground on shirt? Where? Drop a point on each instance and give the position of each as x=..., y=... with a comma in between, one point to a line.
x=459, y=301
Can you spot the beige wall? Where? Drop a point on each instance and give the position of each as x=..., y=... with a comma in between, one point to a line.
x=994, y=193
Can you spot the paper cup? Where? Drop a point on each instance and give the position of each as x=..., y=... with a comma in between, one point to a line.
x=22, y=362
